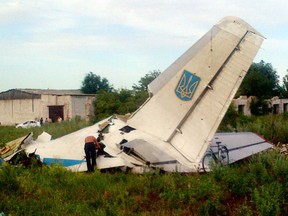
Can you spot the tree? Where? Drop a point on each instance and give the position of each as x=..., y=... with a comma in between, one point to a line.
x=123, y=101
x=284, y=87
x=261, y=81
x=120, y=102
x=229, y=121
x=106, y=104
x=146, y=80
x=93, y=83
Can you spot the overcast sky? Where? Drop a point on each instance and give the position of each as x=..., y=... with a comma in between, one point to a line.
x=54, y=44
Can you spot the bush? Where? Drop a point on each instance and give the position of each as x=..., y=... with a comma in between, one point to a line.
x=268, y=199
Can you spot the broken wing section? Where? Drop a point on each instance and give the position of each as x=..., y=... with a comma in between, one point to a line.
x=191, y=97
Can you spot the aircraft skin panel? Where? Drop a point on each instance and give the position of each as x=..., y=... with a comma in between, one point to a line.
x=179, y=64
x=200, y=126
x=153, y=118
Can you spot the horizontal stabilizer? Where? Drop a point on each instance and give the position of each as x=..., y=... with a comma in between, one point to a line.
x=242, y=144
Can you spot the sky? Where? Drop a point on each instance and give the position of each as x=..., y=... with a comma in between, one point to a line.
x=54, y=44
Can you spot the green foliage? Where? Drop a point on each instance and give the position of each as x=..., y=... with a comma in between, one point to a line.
x=258, y=187
x=261, y=81
x=259, y=107
x=270, y=173
x=244, y=210
x=106, y=104
x=229, y=121
x=121, y=102
x=267, y=198
x=284, y=87
x=93, y=83
x=146, y=80
x=272, y=127
x=8, y=179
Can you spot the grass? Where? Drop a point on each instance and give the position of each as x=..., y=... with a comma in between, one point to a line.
x=257, y=186
x=272, y=127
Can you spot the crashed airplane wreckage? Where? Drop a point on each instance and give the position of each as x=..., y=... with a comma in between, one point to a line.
x=174, y=130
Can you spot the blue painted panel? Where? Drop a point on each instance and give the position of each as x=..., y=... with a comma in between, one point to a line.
x=63, y=162
x=187, y=86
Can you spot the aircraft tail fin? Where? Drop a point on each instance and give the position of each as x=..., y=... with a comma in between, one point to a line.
x=190, y=98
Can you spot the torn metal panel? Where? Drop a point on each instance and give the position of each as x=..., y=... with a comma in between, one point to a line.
x=12, y=147
x=151, y=153
x=44, y=137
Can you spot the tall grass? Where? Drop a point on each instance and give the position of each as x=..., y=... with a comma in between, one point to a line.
x=8, y=133
x=257, y=187
x=272, y=127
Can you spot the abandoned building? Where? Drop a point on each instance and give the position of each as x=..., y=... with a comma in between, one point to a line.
x=242, y=105
x=18, y=105
x=277, y=105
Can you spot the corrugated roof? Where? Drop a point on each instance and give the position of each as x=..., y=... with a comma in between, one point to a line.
x=54, y=91
x=36, y=93
x=14, y=94
x=50, y=91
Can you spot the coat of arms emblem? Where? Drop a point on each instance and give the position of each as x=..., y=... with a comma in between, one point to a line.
x=187, y=86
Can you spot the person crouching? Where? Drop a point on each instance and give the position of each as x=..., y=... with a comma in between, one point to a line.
x=90, y=152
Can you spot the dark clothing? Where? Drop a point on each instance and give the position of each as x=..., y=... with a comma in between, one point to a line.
x=100, y=151
x=90, y=152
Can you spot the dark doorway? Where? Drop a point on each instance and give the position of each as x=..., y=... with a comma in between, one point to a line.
x=55, y=112
x=285, y=107
x=275, y=108
x=241, y=109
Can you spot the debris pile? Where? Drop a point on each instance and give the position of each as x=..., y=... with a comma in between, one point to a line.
x=281, y=148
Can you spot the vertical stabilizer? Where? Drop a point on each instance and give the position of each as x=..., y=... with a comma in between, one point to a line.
x=190, y=98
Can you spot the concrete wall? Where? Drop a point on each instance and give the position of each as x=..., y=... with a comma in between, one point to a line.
x=19, y=110
x=83, y=106
x=242, y=105
x=279, y=105
x=15, y=111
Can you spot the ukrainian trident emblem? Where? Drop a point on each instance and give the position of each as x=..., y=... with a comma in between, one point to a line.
x=187, y=86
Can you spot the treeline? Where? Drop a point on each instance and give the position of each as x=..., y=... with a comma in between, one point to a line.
x=261, y=81
x=121, y=101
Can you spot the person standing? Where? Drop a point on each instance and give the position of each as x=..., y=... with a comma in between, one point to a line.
x=90, y=152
